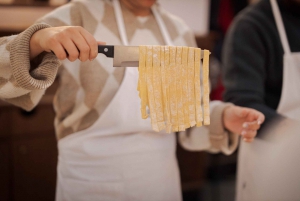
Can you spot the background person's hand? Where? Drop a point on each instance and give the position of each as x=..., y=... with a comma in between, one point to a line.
x=243, y=121
x=71, y=42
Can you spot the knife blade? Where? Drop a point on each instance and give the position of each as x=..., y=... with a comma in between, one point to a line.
x=123, y=56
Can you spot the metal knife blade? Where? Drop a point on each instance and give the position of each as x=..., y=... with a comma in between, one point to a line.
x=123, y=56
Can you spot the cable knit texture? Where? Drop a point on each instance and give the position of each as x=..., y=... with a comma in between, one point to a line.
x=41, y=77
x=22, y=83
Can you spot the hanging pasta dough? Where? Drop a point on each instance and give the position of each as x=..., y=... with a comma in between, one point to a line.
x=170, y=87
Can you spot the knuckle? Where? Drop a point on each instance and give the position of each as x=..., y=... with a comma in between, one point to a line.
x=61, y=56
x=78, y=28
x=83, y=59
x=52, y=42
x=73, y=56
x=93, y=43
x=69, y=31
x=95, y=46
x=85, y=49
x=63, y=35
x=253, y=134
x=70, y=28
x=74, y=53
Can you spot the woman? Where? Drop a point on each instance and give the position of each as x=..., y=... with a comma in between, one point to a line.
x=106, y=151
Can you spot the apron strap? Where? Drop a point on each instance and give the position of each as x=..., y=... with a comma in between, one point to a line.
x=121, y=26
x=120, y=22
x=280, y=27
x=162, y=26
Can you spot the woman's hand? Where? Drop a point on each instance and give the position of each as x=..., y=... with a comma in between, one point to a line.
x=243, y=121
x=72, y=42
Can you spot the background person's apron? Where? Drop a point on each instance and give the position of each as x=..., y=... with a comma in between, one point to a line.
x=269, y=168
x=138, y=164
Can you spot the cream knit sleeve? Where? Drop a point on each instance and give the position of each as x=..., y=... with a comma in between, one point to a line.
x=213, y=138
x=23, y=82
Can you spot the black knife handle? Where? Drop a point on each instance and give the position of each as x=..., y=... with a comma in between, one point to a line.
x=107, y=50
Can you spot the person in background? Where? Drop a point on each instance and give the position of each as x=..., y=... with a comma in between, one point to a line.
x=222, y=13
x=261, y=70
x=106, y=150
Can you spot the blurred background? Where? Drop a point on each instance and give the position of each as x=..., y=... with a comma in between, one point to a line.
x=28, y=152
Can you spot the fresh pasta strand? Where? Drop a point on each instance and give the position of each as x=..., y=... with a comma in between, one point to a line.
x=157, y=89
x=206, y=87
x=142, y=85
x=173, y=89
x=179, y=78
x=149, y=71
x=199, y=115
x=184, y=83
x=169, y=84
x=191, y=86
x=165, y=74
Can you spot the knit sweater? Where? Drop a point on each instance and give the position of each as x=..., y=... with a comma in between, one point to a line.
x=253, y=57
x=86, y=88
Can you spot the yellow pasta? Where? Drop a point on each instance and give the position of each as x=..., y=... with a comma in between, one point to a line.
x=173, y=89
x=149, y=77
x=157, y=89
x=199, y=115
x=142, y=85
x=206, y=87
x=191, y=86
x=170, y=86
x=184, y=82
x=164, y=58
x=179, y=78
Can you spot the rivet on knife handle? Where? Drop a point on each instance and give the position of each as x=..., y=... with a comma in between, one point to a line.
x=107, y=50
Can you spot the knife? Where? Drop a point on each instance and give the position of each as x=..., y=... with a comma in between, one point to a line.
x=123, y=56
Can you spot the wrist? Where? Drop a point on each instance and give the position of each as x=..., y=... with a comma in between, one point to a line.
x=225, y=114
x=34, y=45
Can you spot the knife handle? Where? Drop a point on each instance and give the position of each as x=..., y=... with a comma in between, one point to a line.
x=107, y=50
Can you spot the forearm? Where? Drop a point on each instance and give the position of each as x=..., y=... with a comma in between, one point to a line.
x=22, y=83
x=213, y=138
x=35, y=48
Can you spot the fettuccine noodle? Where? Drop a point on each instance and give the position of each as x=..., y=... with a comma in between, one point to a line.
x=170, y=87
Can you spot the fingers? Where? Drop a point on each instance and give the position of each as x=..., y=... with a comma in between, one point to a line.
x=255, y=125
x=71, y=49
x=260, y=118
x=92, y=52
x=254, y=115
x=250, y=130
x=83, y=49
x=74, y=41
x=59, y=51
x=248, y=135
x=248, y=140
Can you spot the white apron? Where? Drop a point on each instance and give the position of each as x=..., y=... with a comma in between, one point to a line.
x=269, y=168
x=98, y=165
